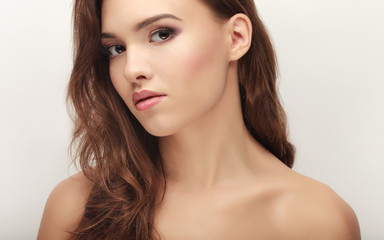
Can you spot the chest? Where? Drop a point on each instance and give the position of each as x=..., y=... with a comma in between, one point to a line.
x=214, y=218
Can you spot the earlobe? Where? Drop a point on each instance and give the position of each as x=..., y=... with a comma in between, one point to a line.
x=241, y=35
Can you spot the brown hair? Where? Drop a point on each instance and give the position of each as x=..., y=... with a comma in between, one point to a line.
x=120, y=157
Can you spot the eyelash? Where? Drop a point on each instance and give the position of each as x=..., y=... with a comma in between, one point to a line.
x=170, y=31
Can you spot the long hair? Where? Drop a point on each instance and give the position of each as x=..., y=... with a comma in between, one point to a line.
x=116, y=153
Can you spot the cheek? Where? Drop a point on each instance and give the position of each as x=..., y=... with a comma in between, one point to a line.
x=201, y=77
x=114, y=74
x=195, y=62
x=118, y=81
x=204, y=67
x=200, y=59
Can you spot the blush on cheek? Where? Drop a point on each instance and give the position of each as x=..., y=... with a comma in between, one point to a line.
x=203, y=53
x=201, y=57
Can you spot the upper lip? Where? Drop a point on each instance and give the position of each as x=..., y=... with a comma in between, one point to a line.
x=138, y=96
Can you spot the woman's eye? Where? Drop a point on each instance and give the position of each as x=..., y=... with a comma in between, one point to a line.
x=162, y=35
x=115, y=50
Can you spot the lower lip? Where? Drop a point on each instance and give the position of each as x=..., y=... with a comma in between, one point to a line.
x=146, y=104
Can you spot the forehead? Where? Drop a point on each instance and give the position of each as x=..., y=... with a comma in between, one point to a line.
x=132, y=11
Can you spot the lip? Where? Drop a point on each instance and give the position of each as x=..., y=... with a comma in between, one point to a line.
x=146, y=99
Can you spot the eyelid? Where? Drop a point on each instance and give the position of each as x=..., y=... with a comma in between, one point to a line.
x=109, y=43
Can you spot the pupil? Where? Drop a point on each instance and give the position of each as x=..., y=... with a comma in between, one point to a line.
x=163, y=35
x=119, y=49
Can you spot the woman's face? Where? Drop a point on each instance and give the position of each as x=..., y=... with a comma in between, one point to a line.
x=176, y=50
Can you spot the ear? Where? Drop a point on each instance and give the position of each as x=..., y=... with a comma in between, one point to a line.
x=240, y=28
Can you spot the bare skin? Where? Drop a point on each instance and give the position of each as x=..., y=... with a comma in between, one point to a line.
x=221, y=183
x=277, y=204
x=64, y=208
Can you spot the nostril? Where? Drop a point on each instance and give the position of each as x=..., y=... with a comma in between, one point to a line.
x=140, y=77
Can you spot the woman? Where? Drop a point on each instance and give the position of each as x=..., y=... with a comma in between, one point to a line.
x=180, y=133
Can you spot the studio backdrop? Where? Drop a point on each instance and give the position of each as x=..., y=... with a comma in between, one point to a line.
x=331, y=78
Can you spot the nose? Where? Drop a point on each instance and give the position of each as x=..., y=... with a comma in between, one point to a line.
x=137, y=65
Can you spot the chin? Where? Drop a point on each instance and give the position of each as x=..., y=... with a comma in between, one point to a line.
x=160, y=129
x=158, y=132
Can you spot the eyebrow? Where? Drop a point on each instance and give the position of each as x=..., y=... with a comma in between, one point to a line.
x=145, y=23
x=153, y=19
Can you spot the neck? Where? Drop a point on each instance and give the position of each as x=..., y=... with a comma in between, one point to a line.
x=212, y=150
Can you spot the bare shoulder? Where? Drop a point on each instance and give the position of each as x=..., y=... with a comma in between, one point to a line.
x=308, y=209
x=64, y=207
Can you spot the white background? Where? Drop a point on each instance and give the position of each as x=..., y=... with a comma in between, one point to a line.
x=331, y=55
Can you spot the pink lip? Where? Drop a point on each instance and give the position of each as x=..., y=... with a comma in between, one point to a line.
x=146, y=99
